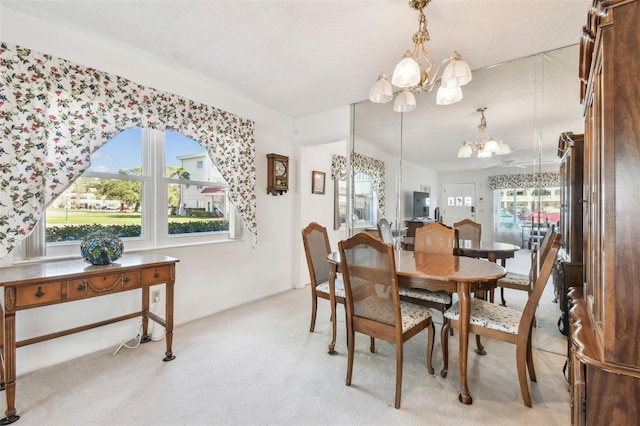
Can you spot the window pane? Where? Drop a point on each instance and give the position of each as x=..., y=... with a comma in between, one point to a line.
x=95, y=204
x=194, y=207
x=340, y=204
x=202, y=210
x=123, y=152
x=364, y=203
x=522, y=209
x=187, y=159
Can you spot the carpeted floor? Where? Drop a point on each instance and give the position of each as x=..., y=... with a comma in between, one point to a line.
x=258, y=364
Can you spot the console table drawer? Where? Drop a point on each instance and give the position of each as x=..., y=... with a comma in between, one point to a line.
x=158, y=275
x=94, y=286
x=38, y=294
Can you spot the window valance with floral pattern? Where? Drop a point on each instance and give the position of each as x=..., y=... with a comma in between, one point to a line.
x=362, y=164
x=524, y=180
x=54, y=114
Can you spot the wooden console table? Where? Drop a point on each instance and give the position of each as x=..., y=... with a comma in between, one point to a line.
x=49, y=283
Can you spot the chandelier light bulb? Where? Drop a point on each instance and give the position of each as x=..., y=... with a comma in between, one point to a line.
x=407, y=73
x=457, y=73
x=405, y=102
x=447, y=96
x=381, y=92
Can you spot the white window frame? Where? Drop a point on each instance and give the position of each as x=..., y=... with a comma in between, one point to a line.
x=155, y=224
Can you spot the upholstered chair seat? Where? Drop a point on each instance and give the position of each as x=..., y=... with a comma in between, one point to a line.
x=441, y=297
x=323, y=287
x=488, y=315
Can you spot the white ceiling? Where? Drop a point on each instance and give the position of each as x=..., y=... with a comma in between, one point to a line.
x=303, y=57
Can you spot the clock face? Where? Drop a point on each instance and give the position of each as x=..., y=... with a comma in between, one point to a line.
x=281, y=169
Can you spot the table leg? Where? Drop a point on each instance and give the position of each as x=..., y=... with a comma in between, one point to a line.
x=502, y=301
x=332, y=300
x=10, y=367
x=169, y=356
x=145, y=319
x=465, y=314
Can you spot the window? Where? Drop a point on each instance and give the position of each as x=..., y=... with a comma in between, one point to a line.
x=519, y=210
x=364, y=202
x=149, y=187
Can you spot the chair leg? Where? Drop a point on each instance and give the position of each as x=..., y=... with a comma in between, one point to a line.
x=398, y=373
x=372, y=345
x=350, y=352
x=314, y=309
x=532, y=372
x=521, y=361
x=431, y=339
x=480, y=349
x=444, y=341
x=503, y=302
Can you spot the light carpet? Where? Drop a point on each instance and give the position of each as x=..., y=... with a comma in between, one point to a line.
x=257, y=364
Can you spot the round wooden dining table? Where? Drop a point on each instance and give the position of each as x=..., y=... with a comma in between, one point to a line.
x=452, y=273
x=491, y=250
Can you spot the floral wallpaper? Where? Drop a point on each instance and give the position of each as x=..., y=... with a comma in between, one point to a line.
x=362, y=164
x=524, y=180
x=54, y=114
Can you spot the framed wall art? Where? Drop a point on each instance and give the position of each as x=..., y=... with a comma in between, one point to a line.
x=317, y=182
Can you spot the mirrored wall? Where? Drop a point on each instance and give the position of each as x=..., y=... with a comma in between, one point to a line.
x=529, y=101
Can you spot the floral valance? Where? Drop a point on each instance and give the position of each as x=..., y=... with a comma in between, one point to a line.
x=54, y=114
x=524, y=180
x=362, y=164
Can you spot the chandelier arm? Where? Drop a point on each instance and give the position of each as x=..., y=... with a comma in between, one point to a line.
x=435, y=78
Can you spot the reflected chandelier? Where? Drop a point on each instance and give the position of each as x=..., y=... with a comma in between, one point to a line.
x=412, y=73
x=484, y=144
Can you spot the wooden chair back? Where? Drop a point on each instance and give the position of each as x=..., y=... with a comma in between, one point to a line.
x=469, y=230
x=526, y=321
x=371, y=287
x=384, y=231
x=316, y=249
x=436, y=238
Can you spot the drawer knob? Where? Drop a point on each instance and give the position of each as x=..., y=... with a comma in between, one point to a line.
x=156, y=274
x=82, y=287
x=39, y=293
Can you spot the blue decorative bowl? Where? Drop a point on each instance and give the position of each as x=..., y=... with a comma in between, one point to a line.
x=101, y=248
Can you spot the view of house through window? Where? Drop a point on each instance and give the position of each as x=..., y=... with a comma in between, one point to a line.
x=522, y=210
x=145, y=185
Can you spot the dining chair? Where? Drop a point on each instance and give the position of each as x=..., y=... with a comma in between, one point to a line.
x=373, y=303
x=469, y=230
x=317, y=248
x=523, y=282
x=384, y=231
x=509, y=325
x=436, y=238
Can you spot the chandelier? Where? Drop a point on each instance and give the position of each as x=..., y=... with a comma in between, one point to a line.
x=412, y=74
x=484, y=144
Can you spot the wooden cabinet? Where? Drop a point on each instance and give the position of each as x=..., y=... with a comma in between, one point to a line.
x=605, y=314
x=567, y=271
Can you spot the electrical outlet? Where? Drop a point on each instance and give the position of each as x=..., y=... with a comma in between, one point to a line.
x=155, y=296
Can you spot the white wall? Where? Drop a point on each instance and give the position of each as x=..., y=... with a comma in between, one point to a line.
x=413, y=176
x=318, y=137
x=210, y=278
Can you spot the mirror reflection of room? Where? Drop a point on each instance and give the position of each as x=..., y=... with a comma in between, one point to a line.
x=529, y=103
